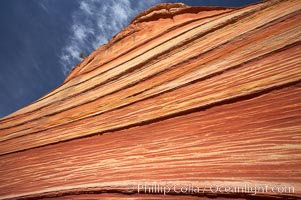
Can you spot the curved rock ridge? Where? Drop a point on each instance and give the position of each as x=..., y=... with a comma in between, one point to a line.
x=184, y=95
x=165, y=8
x=180, y=11
x=169, y=10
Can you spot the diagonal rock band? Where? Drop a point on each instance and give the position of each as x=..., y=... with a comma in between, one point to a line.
x=184, y=103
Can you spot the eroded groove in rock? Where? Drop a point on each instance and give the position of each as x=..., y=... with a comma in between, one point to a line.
x=212, y=96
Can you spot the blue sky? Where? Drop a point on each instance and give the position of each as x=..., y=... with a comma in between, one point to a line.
x=40, y=40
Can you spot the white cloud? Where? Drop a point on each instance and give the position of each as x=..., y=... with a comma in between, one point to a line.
x=85, y=7
x=94, y=23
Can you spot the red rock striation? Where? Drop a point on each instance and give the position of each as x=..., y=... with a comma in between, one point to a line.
x=183, y=96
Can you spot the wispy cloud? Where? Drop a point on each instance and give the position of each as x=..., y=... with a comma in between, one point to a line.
x=43, y=4
x=94, y=23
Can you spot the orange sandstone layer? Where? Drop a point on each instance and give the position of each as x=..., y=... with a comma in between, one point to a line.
x=198, y=95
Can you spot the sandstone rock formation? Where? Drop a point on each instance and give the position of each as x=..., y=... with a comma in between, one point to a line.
x=183, y=95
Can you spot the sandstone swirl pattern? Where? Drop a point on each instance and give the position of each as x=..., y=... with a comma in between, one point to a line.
x=203, y=95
